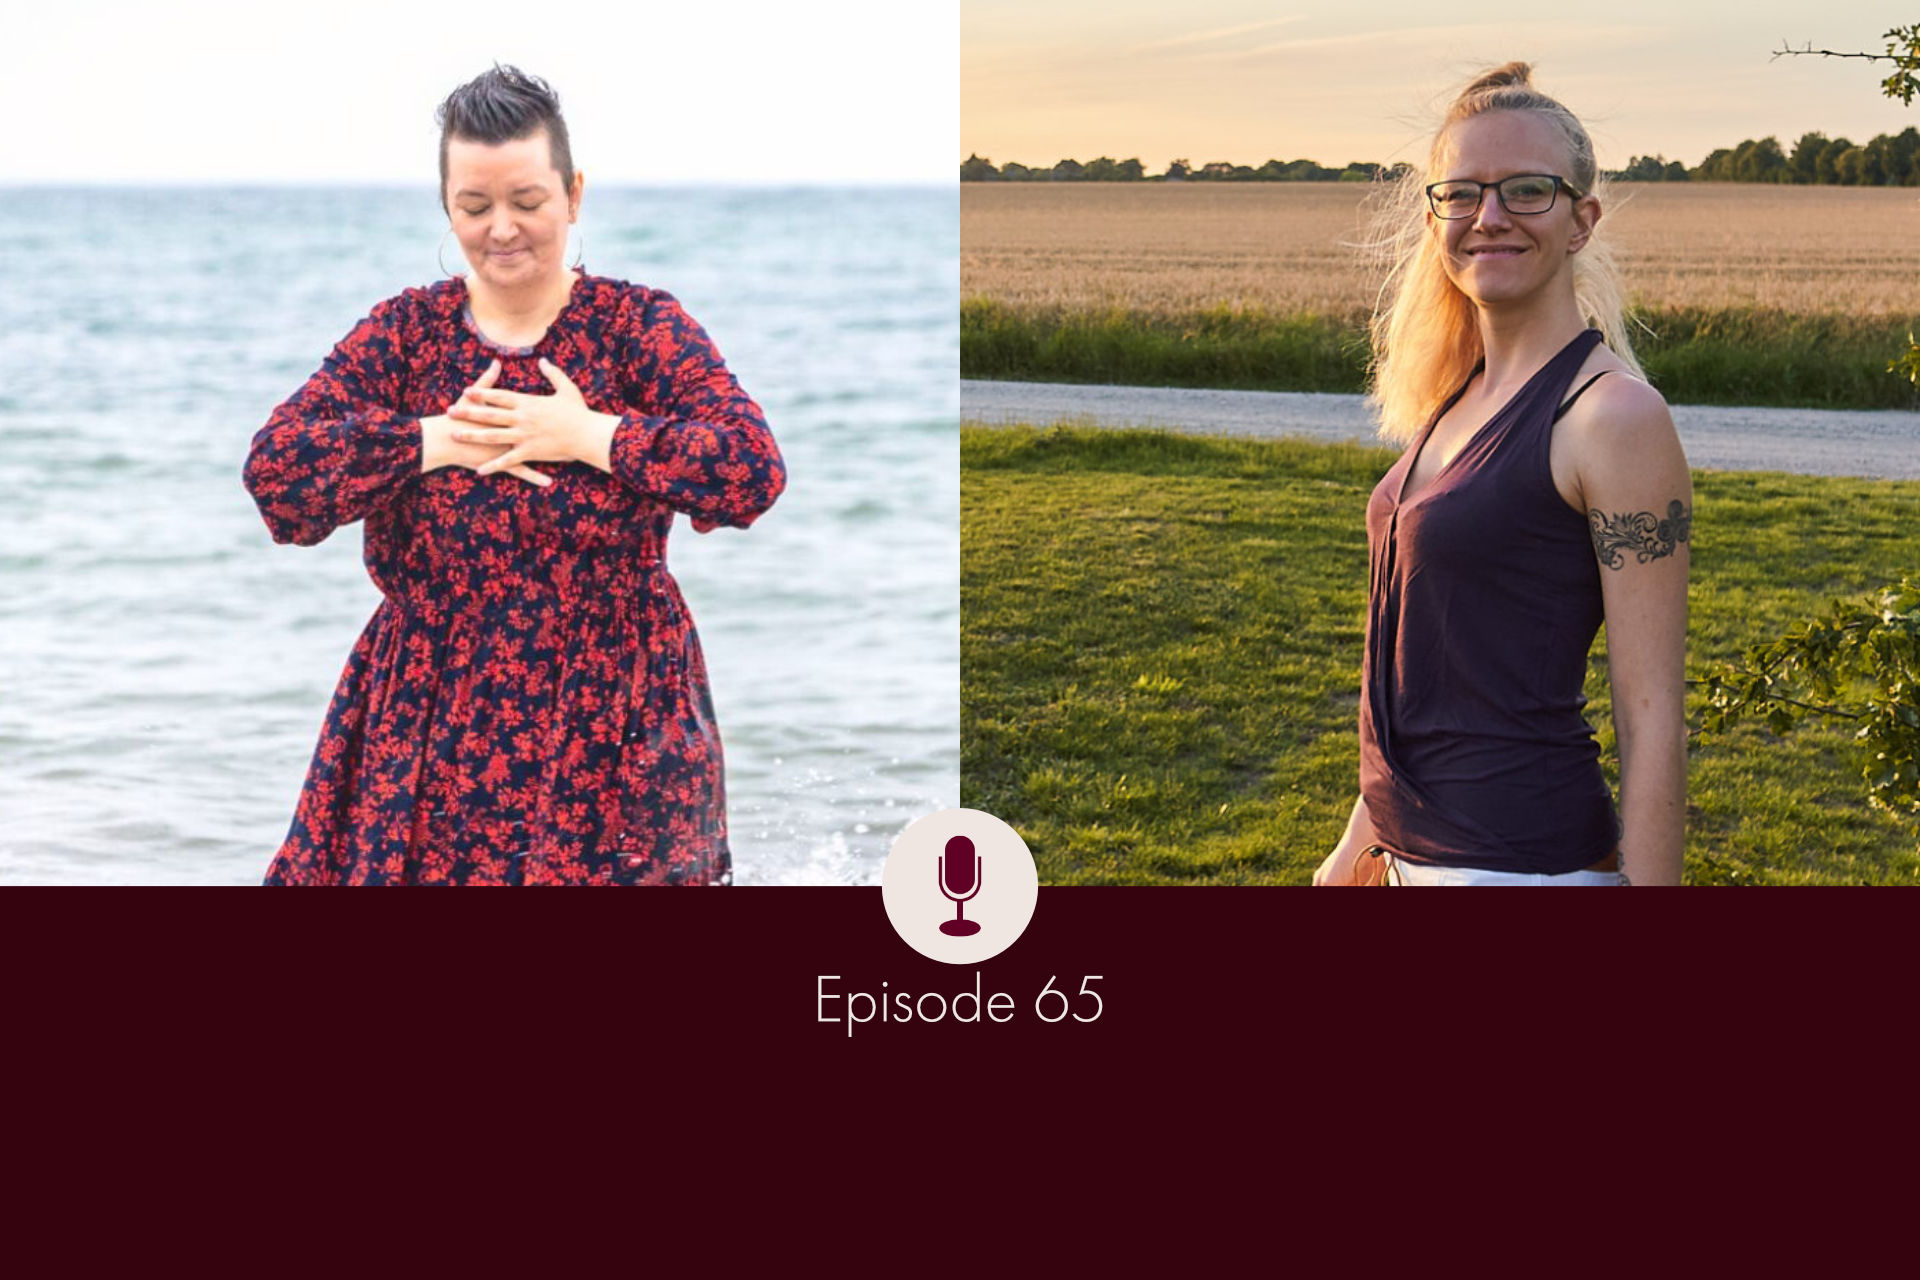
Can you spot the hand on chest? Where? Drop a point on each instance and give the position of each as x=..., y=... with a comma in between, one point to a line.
x=597, y=380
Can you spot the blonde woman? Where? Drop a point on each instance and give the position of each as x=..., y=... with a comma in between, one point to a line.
x=1543, y=491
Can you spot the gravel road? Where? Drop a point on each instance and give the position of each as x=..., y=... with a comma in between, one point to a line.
x=1878, y=443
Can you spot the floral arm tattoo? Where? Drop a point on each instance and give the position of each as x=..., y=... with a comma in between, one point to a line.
x=1644, y=534
x=1648, y=537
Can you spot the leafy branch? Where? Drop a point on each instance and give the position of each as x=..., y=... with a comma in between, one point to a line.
x=1909, y=363
x=1903, y=50
x=1860, y=663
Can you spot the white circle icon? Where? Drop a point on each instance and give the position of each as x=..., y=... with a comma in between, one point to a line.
x=959, y=886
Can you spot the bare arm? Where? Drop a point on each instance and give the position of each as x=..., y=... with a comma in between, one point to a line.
x=1638, y=495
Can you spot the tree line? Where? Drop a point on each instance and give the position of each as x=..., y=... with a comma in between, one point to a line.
x=1107, y=169
x=1890, y=160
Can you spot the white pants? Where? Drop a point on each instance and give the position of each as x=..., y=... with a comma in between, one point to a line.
x=1402, y=872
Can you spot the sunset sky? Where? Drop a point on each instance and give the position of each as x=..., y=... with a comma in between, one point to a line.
x=1334, y=81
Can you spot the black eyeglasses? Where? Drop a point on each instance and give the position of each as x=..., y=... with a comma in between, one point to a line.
x=1523, y=193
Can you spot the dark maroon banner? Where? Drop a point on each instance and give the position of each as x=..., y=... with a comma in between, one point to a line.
x=1290, y=1065
x=1496, y=989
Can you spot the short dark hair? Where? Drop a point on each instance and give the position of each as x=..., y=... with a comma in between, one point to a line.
x=504, y=105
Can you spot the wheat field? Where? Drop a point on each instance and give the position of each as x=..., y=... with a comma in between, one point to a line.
x=1170, y=248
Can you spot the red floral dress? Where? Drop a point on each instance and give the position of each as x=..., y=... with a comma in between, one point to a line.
x=528, y=704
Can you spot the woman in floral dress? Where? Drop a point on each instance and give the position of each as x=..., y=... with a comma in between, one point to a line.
x=528, y=705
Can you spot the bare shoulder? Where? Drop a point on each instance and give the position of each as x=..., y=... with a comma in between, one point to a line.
x=1618, y=435
x=1619, y=409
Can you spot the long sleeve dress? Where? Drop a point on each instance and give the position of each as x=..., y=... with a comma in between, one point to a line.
x=528, y=704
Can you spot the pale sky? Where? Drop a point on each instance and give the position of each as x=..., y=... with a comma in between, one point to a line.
x=749, y=91
x=1336, y=81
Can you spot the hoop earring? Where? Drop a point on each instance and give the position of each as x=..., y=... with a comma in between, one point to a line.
x=579, y=254
x=440, y=255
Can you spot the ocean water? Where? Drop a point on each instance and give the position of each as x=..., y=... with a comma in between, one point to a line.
x=164, y=668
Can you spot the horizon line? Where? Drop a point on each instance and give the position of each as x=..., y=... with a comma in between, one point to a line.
x=1786, y=142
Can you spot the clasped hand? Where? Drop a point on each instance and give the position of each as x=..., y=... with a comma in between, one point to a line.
x=528, y=428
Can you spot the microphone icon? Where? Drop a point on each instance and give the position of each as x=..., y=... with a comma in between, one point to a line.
x=967, y=876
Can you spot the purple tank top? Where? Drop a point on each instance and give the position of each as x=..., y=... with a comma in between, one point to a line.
x=1483, y=600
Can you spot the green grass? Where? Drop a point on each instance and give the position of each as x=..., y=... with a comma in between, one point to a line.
x=1224, y=348
x=1160, y=653
x=1694, y=355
